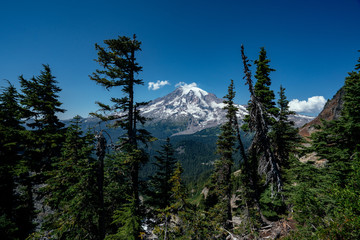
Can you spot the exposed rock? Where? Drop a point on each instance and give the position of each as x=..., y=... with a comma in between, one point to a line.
x=205, y=192
x=331, y=111
x=180, y=150
x=312, y=157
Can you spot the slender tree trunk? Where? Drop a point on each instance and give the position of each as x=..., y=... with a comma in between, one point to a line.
x=132, y=140
x=166, y=226
x=100, y=152
x=131, y=134
x=30, y=204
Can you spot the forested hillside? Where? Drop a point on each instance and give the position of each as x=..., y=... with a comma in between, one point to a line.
x=237, y=181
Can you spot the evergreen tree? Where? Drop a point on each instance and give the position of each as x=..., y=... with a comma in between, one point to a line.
x=261, y=155
x=285, y=142
x=307, y=193
x=221, y=178
x=159, y=190
x=159, y=184
x=119, y=69
x=11, y=131
x=338, y=140
x=178, y=189
x=169, y=204
x=262, y=111
x=186, y=220
x=263, y=82
x=262, y=91
x=43, y=141
x=41, y=103
x=71, y=192
x=328, y=207
x=284, y=135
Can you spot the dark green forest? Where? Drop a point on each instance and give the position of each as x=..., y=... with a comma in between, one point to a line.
x=64, y=181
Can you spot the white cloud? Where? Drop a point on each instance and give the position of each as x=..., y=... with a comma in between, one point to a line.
x=183, y=84
x=312, y=105
x=157, y=85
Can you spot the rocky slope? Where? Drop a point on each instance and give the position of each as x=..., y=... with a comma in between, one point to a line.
x=331, y=111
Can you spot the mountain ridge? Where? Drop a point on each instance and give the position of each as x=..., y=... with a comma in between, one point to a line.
x=186, y=110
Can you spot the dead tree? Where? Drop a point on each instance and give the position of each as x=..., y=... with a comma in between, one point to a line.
x=261, y=145
x=100, y=153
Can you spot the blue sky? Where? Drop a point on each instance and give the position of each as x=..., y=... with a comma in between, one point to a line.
x=311, y=44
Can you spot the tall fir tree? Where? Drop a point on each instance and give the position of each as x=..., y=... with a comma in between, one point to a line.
x=160, y=195
x=71, y=189
x=11, y=146
x=262, y=86
x=159, y=183
x=262, y=116
x=221, y=177
x=285, y=136
x=285, y=142
x=264, y=163
x=262, y=90
x=120, y=69
x=40, y=100
x=44, y=139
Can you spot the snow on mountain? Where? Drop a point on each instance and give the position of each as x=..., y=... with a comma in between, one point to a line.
x=196, y=108
x=186, y=110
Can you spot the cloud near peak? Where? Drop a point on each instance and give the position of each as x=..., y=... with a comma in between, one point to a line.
x=313, y=105
x=183, y=84
x=157, y=85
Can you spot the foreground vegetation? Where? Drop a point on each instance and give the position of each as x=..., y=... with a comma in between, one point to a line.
x=60, y=183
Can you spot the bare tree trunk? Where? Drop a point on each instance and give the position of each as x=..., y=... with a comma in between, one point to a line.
x=100, y=152
x=166, y=227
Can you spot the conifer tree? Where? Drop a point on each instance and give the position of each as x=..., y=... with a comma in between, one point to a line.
x=159, y=191
x=221, y=178
x=42, y=143
x=285, y=143
x=328, y=207
x=338, y=140
x=71, y=190
x=187, y=221
x=159, y=184
x=120, y=69
x=284, y=135
x=40, y=100
x=262, y=90
x=262, y=113
x=11, y=131
x=178, y=189
x=259, y=121
x=262, y=86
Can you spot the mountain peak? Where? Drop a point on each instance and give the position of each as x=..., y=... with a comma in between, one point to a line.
x=191, y=106
x=192, y=87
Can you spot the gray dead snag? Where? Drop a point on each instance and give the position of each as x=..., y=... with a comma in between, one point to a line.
x=261, y=143
x=100, y=153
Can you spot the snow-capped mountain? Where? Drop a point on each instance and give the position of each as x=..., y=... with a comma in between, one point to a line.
x=186, y=110
x=188, y=104
x=195, y=108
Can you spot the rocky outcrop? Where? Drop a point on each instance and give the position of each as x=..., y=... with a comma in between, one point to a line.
x=331, y=111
